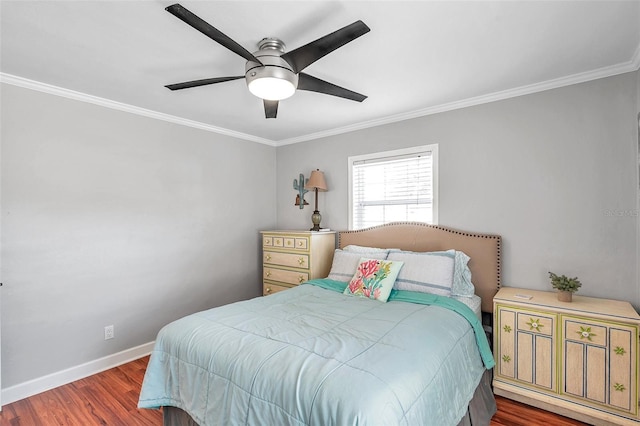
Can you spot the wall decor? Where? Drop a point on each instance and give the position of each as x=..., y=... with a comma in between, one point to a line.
x=298, y=185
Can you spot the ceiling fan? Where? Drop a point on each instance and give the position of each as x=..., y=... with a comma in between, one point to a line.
x=270, y=73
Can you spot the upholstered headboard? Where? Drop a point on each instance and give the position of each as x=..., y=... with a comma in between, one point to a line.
x=483, y=249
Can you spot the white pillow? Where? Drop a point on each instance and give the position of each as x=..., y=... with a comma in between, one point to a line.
x=345, y=264
x=462, y=285
x=428, y=272
x=365, y=250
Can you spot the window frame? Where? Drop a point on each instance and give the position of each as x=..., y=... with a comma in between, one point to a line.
x=382, y=155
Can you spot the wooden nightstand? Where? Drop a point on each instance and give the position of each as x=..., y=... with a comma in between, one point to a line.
x=292, y=257
x=577, y=359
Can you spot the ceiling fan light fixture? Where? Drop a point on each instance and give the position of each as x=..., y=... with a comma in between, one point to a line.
x=272, y=79
x=271, y=88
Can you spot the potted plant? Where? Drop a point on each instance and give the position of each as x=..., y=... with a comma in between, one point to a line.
x=565, y=286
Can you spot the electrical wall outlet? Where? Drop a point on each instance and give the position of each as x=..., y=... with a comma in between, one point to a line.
x=108, y=332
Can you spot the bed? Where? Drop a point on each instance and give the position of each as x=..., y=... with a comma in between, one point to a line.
x=317, y=355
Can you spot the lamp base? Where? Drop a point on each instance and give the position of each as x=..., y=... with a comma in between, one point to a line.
x=315, y=219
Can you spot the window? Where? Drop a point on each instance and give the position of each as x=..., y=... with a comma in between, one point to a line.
x=400, y=185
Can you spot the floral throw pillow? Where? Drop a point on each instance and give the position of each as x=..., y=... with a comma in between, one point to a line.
x=374, y=278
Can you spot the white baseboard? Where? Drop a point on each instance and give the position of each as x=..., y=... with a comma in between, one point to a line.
x=50, y=381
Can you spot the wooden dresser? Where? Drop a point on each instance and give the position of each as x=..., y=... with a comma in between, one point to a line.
x=577, y=359
x=292, y=257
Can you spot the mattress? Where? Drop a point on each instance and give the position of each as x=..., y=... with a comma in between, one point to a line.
x=474, y=303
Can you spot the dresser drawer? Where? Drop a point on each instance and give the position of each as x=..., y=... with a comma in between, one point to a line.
x=585, y=331
x=294, y=243
x=269, y=288
x=293, y=260
x=535, y=323
x=285, y=276
x=301, y=243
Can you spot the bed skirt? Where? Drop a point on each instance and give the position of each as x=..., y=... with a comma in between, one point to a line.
x=481, y=408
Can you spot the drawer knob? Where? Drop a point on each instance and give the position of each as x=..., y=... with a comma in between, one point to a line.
x=300, y=243
x=300, y=279
x=301, y=261
x=268, y=274
x=534, y=324
x=267, y=290
x=585, y=333
x=268, y=257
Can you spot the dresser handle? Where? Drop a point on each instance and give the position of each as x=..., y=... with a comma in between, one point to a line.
x=268, y=274
x=300, y=279
x=267, y=290
x=268, y=257
x=301, y=261
x=300, y=243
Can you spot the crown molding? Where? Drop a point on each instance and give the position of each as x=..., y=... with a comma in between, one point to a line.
x=83, y=97
x=610, y=71
x=632, y=65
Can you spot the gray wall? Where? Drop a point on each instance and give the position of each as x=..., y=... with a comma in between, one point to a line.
x=638, y=177
x=114, y=218
x=550, y=172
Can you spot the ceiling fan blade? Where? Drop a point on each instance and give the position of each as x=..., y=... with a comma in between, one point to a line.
x=270, y=109
x=186, y=16
x=313, y=84
x=203, y=82
x=304, y=56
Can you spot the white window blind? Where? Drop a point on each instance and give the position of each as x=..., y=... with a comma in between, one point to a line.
x=393, y=186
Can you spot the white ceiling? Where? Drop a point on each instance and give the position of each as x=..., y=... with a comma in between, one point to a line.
x=420, y=56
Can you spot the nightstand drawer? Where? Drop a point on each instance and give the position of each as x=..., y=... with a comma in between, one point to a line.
x=293, y=260
x=285, y=276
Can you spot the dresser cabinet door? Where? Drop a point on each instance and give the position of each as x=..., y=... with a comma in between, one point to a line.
x=526, y=347
x=598, y=362
x=622, y=386
x=585, y=359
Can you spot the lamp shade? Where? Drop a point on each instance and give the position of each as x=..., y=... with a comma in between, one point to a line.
x=316, y=181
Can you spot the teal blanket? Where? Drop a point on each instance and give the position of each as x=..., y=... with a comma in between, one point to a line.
x=429, y=299
x=314, y=356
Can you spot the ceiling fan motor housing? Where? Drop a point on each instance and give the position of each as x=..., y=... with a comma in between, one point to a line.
x=273, y=69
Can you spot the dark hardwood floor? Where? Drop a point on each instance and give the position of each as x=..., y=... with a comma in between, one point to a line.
x=108, y=398
x=111, y=398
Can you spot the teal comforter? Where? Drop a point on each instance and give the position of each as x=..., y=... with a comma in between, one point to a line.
x=314, y=356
